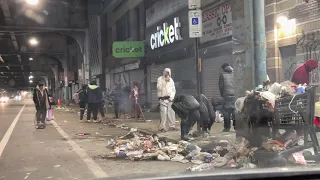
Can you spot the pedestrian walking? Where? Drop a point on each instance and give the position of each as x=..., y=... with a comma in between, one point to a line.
x=227, y=91
x=94, y=95
x=166, y=87
x=41, y=102
x=82, y=100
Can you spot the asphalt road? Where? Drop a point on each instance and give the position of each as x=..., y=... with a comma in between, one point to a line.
x=28, y=153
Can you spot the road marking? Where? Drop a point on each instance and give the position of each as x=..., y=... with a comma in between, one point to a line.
x=93, y=167
x=7, y=136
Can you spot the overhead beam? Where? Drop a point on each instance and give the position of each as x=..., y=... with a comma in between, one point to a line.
x=38, y=29
x=29, y=53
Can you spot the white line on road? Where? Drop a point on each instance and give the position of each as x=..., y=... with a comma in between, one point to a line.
x=7, y=136
x=94, y=167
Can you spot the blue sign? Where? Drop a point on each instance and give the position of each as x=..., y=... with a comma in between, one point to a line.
x=195, y=21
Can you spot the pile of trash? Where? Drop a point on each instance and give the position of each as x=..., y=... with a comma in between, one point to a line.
x=140, y=147
x=270, y=92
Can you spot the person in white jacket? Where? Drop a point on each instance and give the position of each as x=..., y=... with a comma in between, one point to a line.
x=166, y=87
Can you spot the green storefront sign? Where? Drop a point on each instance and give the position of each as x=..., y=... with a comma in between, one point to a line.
x=128, y=49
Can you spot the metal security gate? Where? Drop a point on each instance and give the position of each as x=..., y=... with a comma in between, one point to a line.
x=211, y=69
x=183, y=74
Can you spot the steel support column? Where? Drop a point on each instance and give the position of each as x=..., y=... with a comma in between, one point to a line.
x=260, y=54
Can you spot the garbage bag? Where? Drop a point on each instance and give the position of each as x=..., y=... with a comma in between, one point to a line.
x=182, y=104
x=239, y=104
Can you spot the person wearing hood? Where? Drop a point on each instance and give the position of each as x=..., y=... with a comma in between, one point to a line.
x=166, y=87
x=301, y=74
x=41, y=102
x=82, y=100
x=94, y=95
x=227, y=92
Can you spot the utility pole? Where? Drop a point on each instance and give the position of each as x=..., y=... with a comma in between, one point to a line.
x=195, y=31
x=260, y=54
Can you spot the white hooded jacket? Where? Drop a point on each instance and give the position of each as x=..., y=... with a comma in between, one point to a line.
x=166, y=88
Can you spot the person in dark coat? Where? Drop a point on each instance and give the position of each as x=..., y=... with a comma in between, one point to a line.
x=116, y=95
x=94, y=95
x=187, y=108
x=301, y=74
x=227, y=91
x=82, y=100
x=207, y=114
x=41, y=102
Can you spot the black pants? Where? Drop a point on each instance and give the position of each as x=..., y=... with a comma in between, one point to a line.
x=227, y=112
x=101, y=110
x=41, y=115
x=93, y=108
x=82, y=109
x=188, y=121
x=116, y=109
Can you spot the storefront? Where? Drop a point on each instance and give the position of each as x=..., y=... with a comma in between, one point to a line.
x=216, y=45
x=169, y=46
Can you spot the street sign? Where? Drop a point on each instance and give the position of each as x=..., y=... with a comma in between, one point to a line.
x=195, y=23
x=194, y=4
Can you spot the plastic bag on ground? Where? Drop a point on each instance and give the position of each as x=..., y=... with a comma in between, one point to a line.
x=178, y=158
x=201, y=167
x=219, y=118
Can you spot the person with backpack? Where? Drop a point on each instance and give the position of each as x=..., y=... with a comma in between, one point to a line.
x=82, y=94
x=94, y=100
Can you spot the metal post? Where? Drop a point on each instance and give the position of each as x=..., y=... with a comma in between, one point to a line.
x=198, y=65
x=260, y=42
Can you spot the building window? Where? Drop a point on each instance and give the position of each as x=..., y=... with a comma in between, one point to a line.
x=123, y=27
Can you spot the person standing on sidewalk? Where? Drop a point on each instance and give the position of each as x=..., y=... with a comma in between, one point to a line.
x=134, y=96
x=101, y=107
x=116, y=97
x=41, y=102
x=82, y=100
x=166, y=87
x=94, y=94
x=227, y=91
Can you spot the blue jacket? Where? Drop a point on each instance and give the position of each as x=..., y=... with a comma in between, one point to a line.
x=94, y=94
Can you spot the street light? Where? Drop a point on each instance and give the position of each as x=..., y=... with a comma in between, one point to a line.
x=30, y=77
x=30, y=81
x=30, y=59
x=33, y=41
x=32, y=2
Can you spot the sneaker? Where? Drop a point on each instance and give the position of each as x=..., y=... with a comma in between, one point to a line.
x=173, y=129
x=185, y=138
x=226, y=130
x=95, y=121
x=88, y=120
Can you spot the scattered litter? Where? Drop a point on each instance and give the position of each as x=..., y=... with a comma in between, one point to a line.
x=56, y=166
x=49, y=177
x=65, y=121
x=83, y=134
x=27, y=176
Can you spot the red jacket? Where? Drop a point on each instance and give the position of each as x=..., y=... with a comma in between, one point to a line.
x=301, y=74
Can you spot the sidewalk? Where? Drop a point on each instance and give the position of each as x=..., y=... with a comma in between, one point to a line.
x=151, y=127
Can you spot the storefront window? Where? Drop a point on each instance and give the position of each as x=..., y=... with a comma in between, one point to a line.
x=123, y=27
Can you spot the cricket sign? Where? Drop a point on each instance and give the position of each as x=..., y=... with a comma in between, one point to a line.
x=166, y=34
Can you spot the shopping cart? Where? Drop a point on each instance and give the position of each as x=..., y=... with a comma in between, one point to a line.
x=297, y=113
